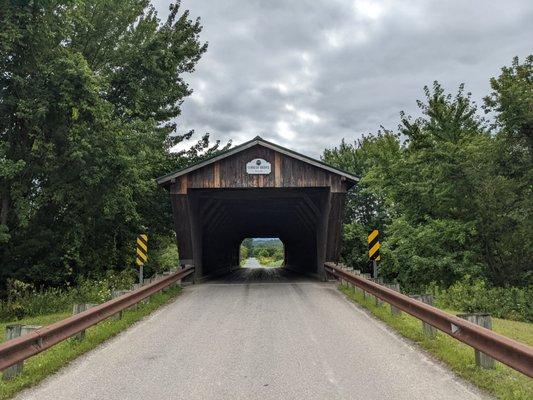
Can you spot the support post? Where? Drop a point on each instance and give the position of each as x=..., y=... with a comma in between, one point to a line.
x=166, y=273
x=366, y=276
x=356, y=272
x=379, y=302
x=396, y=288
x=114, y=295
x=350, y=285
x=484, y=320
x=135, y=286
x=76, y=309
x=429, y=330
x=141, y=272
x=12, y=332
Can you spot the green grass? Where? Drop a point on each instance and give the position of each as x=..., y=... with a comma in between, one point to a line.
x=502, y=381
x=46, y=363
x=270, y=262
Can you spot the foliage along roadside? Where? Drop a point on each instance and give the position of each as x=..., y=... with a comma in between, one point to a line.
x=24, y=300
x=502, y=381
x=50, y=361
x=450, y=192
x=90, y=96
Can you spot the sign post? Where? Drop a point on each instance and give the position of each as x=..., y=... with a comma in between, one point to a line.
x=142, y=254
x=373, y=250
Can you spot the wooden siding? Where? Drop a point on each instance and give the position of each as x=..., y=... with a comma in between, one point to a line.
x=287, y=172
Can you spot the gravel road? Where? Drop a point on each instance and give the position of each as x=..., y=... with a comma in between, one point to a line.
x=256, y=335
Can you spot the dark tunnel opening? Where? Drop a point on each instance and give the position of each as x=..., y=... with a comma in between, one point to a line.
x=230, y=216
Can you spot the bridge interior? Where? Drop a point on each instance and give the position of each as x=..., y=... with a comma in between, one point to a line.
x=252, y=272
x=229, y=216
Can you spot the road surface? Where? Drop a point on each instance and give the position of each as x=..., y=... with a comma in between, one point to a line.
x=259, y=337
x=252, y=263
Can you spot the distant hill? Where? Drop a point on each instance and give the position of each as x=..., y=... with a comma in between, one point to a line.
x=267, y=242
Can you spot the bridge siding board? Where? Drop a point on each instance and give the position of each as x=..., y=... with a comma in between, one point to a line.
x=334, y=240
x=182, y=226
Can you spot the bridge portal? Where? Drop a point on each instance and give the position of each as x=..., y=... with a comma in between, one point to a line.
x=258, y=189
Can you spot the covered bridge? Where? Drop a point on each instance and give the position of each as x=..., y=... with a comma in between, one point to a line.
x=258, y=189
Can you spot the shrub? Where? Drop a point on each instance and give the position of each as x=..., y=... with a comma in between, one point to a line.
x=472, y=296
x=25, y=301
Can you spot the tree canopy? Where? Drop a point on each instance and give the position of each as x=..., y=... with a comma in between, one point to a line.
x=89, y=96
x=450, y=190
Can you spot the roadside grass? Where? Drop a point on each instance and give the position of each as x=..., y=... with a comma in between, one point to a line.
x=502, y=381
x=46, y=363
x=270, y=262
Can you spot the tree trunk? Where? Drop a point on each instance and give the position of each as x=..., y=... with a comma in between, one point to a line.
x=4, y=211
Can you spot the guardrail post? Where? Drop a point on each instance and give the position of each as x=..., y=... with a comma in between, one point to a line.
x=484, y=320
x=76, y=309
x=12, y=332
x=176, y=284
x=371, y=295
x=348, y=283
x=366, y=276
x=396, y=288
x=355, y=287
x=135, y=286
x=341, y=281
x=146, y=281
x=429, y=330
x=165, y=274
x=114, y=295
x=379, y=302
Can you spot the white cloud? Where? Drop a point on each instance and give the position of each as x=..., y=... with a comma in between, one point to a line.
x=310, y=72
x=369, y=9
x=284, y=130
x=303, y=116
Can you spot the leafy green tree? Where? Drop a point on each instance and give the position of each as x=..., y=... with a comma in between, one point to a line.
x=365, y=208
x=450, y=192
x=248, y=244
x=89, y=96
x=512, y=102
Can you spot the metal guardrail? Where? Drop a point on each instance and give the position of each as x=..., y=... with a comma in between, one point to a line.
x=510, y=352
x=21, y=348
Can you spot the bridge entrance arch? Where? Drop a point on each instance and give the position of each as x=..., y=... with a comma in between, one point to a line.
x=258, y=189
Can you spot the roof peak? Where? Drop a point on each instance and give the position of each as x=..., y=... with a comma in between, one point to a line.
x=255, y=141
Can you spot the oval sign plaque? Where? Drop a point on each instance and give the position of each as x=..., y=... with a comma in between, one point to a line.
x=258, y=166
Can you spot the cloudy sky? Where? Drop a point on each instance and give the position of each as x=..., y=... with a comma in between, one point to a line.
x=307, y=73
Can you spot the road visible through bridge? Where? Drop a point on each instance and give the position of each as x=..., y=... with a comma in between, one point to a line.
x=257, y=334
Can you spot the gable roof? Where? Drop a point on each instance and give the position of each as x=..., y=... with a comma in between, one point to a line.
x=162, y=180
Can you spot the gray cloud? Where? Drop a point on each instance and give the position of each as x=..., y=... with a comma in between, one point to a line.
x=308, y=73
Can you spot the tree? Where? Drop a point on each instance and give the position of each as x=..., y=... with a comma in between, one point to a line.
x=90, y=93
x=365, y=208
x=512, y=102
x=450, y=192
x=249, y=245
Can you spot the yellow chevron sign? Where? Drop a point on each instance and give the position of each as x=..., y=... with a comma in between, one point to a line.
x=374, y=245
x=142, y=250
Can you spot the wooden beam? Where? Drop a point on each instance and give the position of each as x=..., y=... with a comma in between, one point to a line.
x=277, y=169
x=216, y=174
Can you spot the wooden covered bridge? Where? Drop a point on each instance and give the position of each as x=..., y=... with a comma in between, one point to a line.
x=258, y=189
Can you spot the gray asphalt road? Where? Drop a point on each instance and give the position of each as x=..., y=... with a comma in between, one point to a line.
x=252, y=263
x=256, y=340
